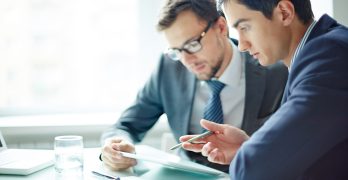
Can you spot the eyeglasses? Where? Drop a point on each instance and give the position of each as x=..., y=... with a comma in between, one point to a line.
x=190, y=47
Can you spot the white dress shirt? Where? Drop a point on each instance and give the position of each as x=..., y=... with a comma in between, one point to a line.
x=232, y=95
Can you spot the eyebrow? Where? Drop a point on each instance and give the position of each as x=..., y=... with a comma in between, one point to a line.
x=236, y=24
x=189, y=40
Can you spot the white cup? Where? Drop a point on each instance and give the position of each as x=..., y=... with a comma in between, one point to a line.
x=69, y=156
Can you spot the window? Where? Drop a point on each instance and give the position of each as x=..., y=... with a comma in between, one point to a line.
x=79, y=55
x=75, y=55
x=321, y=7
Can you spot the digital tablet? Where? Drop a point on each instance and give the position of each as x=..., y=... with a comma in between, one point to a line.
x=172, y=161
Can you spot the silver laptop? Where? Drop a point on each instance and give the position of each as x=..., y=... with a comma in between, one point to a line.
x=23, y=161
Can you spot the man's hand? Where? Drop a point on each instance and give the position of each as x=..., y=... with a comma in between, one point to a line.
x=111, y=156
x=219, y=147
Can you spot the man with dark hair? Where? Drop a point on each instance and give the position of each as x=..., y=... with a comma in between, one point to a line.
x=307, y=138
x=200, y=54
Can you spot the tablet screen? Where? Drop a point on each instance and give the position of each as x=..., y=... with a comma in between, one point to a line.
x=171, y=161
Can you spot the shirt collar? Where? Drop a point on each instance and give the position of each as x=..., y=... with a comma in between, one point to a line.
x=302, y=42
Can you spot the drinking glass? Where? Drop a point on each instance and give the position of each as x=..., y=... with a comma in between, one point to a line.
x=69, y=156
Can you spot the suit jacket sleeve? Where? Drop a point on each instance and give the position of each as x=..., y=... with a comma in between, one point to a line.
x=136, y=120
x=309, y=125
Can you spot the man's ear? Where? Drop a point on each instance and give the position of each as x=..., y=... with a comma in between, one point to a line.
x=285, y=12
x=221, y=25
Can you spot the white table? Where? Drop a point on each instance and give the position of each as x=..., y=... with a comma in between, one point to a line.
x=145, y=170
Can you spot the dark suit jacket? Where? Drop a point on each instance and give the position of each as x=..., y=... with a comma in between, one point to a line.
x=171, y=90
x=307, y=138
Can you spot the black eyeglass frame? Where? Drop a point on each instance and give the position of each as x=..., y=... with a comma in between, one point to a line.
x=175, y=53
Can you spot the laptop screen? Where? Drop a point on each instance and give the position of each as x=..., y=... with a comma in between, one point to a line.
x=2, y=142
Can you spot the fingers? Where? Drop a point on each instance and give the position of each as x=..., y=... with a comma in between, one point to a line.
x=213, y=154
x=187, y=137
x=217, y=157
x=206, y=149
x=123, y=146
x=195, y=147
x=211, y=126
x=111, y=156
x=121, y=164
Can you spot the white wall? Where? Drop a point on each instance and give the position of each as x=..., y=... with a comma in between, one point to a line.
x=340, y=11
x=334, y=8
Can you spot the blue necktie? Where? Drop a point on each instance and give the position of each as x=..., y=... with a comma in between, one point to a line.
x=213, y=110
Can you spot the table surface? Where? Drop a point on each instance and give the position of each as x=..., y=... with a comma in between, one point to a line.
x=143, y=170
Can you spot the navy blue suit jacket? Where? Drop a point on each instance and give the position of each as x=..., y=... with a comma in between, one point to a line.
x=307, y=138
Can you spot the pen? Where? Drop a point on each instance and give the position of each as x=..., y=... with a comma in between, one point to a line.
x=207, y=133
x=105, y=176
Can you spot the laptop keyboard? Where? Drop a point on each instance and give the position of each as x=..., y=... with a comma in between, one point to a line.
x=7, y=157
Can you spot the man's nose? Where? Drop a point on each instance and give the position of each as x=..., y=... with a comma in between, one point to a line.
x=243, y=44
x=187, y=57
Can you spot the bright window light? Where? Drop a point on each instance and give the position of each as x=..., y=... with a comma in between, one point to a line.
x=74, y=55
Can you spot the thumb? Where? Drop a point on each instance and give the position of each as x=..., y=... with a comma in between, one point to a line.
x=211, y=126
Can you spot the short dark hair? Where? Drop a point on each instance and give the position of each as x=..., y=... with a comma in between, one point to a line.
x=303, y=8
x=204, y=9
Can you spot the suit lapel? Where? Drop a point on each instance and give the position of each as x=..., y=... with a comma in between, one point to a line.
x=254, y=90
x=190, y=94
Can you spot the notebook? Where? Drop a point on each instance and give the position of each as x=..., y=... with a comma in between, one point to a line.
x=23, y=161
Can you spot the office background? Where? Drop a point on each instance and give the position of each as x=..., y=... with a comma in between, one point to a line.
x=72, y=66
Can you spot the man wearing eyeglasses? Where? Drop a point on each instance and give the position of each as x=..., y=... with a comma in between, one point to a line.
x=200, y=51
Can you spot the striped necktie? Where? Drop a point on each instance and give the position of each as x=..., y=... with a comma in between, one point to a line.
x=213, y=110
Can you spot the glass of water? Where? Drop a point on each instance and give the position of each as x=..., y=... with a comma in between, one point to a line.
x=69, y=156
